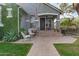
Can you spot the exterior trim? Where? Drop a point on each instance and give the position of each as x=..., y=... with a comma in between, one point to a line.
x=48, y=4
x=39, y=14
x=1, y=25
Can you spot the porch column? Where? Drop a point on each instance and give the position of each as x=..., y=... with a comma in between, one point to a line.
x=52, y=24
x=37, y=23
x=58, y=22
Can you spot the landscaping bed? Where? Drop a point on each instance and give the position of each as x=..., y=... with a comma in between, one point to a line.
x=68, y=49
x=14, y=49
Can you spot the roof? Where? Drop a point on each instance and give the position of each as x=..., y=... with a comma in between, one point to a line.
x=48, y=4
x=32, y=8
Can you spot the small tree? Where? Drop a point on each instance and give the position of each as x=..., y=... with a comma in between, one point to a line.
x=66, y=8
x=76, y=7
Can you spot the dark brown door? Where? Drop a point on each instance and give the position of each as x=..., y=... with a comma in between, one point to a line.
x=42, y=23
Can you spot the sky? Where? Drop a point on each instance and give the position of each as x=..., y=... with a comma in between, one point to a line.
x=57, y=5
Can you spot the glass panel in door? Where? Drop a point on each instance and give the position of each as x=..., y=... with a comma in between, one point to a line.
x=48, y=24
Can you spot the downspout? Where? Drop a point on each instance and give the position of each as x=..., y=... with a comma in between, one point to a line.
x=18, y=21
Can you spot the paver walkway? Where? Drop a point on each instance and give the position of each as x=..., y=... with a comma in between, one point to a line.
x=43, y=48
x=43, y=44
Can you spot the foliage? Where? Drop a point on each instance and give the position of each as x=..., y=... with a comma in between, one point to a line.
x=67, y=10
x=11, y=24
x=22, y=29
x=65, y=22
x=10, y=36
x=76, y=21
x=10, y=28
x=65, y=7
x=67, y=26
x=70, y=27
x=1, y=33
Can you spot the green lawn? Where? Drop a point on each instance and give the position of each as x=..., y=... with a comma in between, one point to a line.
x=68, y=49
x=13, y=49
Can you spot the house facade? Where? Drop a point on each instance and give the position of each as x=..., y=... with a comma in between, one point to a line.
x=10, y=20
x=43, y=16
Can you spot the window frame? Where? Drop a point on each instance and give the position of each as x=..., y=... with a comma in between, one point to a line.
x=1, y=24
x=9, y=12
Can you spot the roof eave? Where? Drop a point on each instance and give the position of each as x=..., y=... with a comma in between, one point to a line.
x=60, y=11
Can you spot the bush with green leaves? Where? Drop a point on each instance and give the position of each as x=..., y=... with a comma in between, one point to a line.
x=76, y=21
x=65, y=22
x=10, y=36
x=69, y=26
x=10, y=28
x=1, y=33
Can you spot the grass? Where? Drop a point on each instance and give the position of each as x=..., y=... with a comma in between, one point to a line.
x=68, y=49
x=13, y=49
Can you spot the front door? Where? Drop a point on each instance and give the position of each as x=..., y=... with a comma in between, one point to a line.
x=42, y=23
x=48, y=24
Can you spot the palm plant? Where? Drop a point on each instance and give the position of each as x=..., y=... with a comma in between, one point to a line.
x=66, y=8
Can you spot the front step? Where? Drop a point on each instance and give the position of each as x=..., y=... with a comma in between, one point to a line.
x=49, y=33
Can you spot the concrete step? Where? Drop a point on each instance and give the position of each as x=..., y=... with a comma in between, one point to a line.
x=49, y=33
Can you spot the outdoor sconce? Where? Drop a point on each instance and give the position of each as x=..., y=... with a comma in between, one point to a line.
x=9, y=11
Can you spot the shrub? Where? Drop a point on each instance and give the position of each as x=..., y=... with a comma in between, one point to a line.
x=1, y=33
x=10, y=36
x=67, y=25
x=65, y=22
x=76, y=22
x=22, y=29
x=10, y=24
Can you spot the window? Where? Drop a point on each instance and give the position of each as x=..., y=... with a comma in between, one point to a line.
x=0, y=13
x=9, y=12
x=0, y=17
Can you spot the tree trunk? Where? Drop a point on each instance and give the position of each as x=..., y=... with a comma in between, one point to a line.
x=76, y=7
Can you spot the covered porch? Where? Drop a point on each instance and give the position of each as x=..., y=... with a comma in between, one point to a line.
x=42, y=24
x=49, y=21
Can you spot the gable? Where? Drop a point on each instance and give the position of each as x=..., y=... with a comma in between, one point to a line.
x=36, y=8
x=43, y=8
